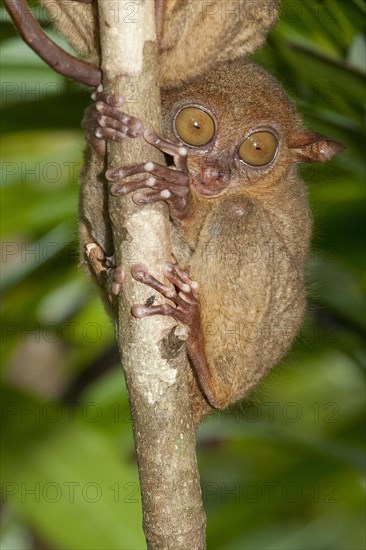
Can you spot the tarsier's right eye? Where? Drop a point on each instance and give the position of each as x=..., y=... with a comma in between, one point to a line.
x=194, y=126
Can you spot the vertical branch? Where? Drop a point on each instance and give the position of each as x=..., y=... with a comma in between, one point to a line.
x=156, y=374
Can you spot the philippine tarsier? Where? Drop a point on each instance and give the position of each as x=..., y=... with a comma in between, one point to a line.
x=239, y=213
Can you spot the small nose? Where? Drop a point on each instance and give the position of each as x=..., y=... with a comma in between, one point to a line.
x=212, y=172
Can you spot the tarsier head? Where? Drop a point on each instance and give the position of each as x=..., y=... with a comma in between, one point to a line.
x=240, y=129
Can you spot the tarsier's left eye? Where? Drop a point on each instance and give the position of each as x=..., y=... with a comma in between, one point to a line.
x=195, y=126
x=259, y=148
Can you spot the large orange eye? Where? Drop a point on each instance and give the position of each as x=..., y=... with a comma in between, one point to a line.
x=194, y=126
x=259, y=148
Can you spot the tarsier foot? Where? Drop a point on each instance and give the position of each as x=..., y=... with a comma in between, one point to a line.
x=96, y=258
x=184, y=295
x=165, y=183
x=186, y=310
x=110, y=278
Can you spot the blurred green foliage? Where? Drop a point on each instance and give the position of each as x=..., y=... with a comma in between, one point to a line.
x=282, y=470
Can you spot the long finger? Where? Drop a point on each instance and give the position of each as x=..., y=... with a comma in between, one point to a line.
x=109, y=99
x=132, y=122
x=98, y=145
x=140, y=311
x=167, y=173
x=178, y=152
x=125, y=127
x=114, y=174
x=178, y=203
x=171, y=273
x=109, y=133
x=118, y=189
x=140, y=273
x=158, y=185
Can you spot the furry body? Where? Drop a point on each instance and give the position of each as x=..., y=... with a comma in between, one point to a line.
x=245, y=243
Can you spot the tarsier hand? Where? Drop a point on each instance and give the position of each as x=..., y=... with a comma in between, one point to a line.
x=104, y=120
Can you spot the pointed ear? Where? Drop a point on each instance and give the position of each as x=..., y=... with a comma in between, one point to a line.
x=313, y=147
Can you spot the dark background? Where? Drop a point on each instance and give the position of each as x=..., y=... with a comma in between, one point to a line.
x=282, y=470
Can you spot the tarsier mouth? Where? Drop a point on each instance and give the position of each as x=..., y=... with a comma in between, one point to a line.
x=210, y=180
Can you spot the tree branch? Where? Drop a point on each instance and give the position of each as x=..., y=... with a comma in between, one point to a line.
x=156, y=374
x=51, y=53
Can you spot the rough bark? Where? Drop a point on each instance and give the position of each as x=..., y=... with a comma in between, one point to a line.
x=155, y=371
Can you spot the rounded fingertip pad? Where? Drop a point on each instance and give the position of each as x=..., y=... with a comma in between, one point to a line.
x=138, y=271
x=117, y=190
x=113, y=174
x=136, y=127
x=194, y=285
x=116, y=288
x=186, y=288
x=151, y=181
x=167, y=268
x=151, y=137
x=140, y=198
x=119, y=275
x=102, y=121
x=117, y=100
x=138, y=311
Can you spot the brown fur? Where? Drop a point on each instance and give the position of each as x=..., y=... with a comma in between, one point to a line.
x=246, y=247
x=224, y=29
x=249, y=244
